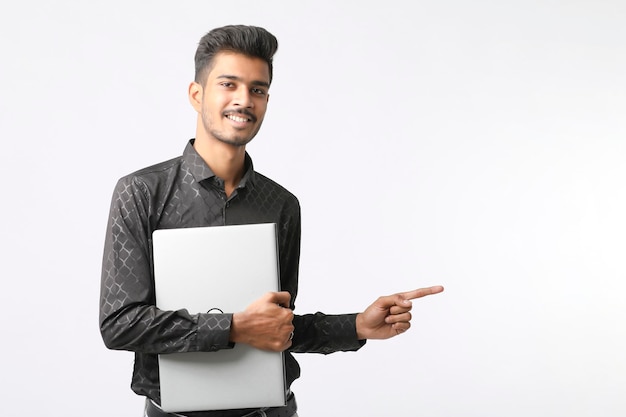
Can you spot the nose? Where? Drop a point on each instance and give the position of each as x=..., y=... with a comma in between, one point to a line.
x=243, y=98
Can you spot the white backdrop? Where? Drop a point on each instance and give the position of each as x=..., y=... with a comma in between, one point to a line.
x=478, y=145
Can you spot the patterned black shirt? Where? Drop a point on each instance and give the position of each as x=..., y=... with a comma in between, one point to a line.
x=184, y=192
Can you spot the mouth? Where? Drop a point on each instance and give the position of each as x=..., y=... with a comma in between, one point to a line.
x=242, y=116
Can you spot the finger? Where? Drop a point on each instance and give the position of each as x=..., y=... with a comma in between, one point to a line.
x=421, y=292
x=281, y=298
x=400, y=328
x=403, y=299
x=279, y=346
x=398, y=318
x=399, y=310
x=289, y=340
x=389, y=301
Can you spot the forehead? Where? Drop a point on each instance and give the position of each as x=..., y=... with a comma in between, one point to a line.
x=226, y=63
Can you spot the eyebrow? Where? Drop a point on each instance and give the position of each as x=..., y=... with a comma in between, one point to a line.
x=235, y=78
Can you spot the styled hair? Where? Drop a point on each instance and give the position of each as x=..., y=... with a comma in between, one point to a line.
x=252, y=41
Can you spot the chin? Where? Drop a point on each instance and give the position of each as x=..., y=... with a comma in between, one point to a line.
x=238, y=142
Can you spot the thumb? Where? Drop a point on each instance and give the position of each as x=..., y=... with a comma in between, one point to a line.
x=282, y=298
x=389, y=301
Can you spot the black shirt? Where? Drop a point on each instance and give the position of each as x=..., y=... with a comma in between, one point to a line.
x=184, y=192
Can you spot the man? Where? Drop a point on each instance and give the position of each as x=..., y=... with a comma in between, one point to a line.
x=213, y=184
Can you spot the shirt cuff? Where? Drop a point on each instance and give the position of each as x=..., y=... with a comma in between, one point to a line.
x=214, y=332
x=341, y=331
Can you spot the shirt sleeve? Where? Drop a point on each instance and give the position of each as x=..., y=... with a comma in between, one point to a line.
x=129, y=319
x=322, y=333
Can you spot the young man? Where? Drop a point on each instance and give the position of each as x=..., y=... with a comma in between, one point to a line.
x=213, y=184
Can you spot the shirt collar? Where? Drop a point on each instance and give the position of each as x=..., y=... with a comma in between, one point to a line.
x=201, y=171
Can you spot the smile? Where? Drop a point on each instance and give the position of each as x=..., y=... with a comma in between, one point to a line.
x=237, y=118
x=240, y=117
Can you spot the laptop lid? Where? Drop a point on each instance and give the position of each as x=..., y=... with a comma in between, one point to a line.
x=222, y=268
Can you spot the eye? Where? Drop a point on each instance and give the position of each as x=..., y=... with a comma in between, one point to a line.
x=259, y=91
x=227, y=84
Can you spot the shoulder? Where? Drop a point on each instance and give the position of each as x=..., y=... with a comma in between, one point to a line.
x=155, y=170
x=268, y=185
x=147, y=184
x=153, y=174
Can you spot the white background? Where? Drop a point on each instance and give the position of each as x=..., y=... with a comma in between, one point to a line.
x=478, y=145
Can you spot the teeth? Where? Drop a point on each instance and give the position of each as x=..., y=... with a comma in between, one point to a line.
x=237, y=118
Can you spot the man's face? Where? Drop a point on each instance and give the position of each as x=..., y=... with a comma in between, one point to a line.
x=235, y=97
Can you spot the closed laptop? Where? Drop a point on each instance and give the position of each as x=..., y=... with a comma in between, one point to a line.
x=218, y=269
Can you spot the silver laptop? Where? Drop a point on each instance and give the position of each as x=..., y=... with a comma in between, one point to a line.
x=223, y=268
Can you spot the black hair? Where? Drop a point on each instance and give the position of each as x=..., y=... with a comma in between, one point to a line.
x=252, y=41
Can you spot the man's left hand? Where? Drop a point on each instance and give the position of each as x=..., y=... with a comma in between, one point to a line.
x=390, y=315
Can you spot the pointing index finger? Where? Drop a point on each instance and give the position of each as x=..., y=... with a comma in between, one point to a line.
x=421, y=292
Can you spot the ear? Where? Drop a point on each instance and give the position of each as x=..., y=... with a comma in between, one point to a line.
x=195, y=96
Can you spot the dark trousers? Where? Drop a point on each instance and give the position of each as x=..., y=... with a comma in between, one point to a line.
x=153, y=410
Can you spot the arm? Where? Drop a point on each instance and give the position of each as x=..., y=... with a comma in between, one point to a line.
x=129, y=320
x=387, y=317
x=325, y=333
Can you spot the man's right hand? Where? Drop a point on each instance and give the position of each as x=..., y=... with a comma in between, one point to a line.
x=265, y=324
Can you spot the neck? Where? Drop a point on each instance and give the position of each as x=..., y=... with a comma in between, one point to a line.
x=226, y=161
